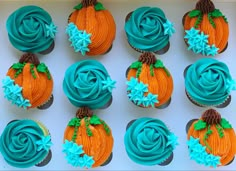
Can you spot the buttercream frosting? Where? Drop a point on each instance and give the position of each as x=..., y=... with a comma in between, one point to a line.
x=208, y=82
x=149, y=142
x=23, y=143
x=30, y=29
x=148, y=29
x=87, y=83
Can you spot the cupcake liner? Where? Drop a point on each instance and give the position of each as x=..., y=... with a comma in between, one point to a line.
x=46, y=160
x=168, y=160
x=47, y=104
x=108, y=160
x=107, y=104
x=188, y=125
x=49, y=50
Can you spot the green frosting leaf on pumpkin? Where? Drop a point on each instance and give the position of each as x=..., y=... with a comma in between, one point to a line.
x=199, y=125
x=75, y=122
x=225, y=124
x=78, y=7
x=136, y=65
x=99, y=6
x=194, y=13
x=95, y=120
x=44, y=69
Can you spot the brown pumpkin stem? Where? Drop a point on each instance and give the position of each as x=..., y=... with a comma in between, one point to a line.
x=84, y=112
x=147, y=58
x=211, y=116
x=206, y=6
x=87, y=3
x=29, y=58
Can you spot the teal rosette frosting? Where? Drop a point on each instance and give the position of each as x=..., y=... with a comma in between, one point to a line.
x=148, y=29
x=208, y=82
x=30, y=29
x=23, y=143
x=88, y=84
x=149, y=142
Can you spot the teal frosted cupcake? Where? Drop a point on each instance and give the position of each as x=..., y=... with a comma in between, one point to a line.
x=25, y=143
x=31, y=29
x=148, y=30
x=208, y=82
x=149, y=142
x=88, y=84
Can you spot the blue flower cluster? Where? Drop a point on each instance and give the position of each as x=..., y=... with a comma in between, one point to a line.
x=172, y=140
x=44, y=144
x=198, y=153
x=51, y=30
x=168, y=28
x=12, y=92
x=75, y=155
x=136, y=92
x=79, y=39
x=108, y=84
x=198, y=43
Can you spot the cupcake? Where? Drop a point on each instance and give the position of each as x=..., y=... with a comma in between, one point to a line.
x=149, y=142
x=28, y=83
x=206, y=29
x=91, y=28
x=149, y=83
x=208, y=83
x=88, y=84
x=25, y=143
x=148, y=30
x=211, y=140
x=31, y=29
x=88, y=140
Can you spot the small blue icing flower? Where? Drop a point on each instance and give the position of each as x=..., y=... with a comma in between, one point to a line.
x=88, y=161
x=213, y=50
x=132, y=83
x=191, y=34
x=44, y=144
x=108, y=84
x=172, y=140
x=192, y=142
x=168, y=28
x=79, y=39
x=213, y=160
x=12, y=92
x=231, y=85
x=150, y=100
x=51, y=30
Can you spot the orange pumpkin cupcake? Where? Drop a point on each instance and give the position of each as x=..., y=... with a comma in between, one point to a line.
x=88, y=141
x=91, y=28
x=150, y=84
x=206, y=29
x=28, y=83
x=211, y=140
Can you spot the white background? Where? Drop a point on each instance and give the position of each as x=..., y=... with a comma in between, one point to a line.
x=180, y=111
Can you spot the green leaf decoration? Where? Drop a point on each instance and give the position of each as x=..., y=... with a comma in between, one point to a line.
x=159, y=64
x=95, y=120
x=225, y=124
x=18, y=65
x=194, y=13
x=99, y=6
x=78, y=7
x=211, y=20
x=136, y=65
x=198, y=21
x=44, y=69
x=75, y=122
x=199, y=125
x=216, y=13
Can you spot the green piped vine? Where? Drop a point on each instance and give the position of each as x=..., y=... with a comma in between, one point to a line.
x=158, y=64
x=200, y=125
x=211, y=15
x=40, y=68
x=93, y=120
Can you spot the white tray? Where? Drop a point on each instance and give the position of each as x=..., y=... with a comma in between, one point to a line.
x=180, y=111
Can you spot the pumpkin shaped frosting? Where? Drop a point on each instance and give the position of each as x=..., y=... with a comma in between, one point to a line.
x=91, y=28
x=28, y=83
x=211, y=140
x=88, y=141
x=206, y=29
x=149, y=83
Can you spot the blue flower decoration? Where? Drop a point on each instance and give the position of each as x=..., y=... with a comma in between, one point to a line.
x=88, y=161
x=51, y=30
x=12, y=92
x=168, y=28
x=172, y=140
x=198, y=153
x=44, y=144
x=198, y=43
x=150, y=100
x=231, y=85
x=79, y=39
x=108, y=84
x=132, y=83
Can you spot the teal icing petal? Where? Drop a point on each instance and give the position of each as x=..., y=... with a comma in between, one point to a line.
x=51, y=30
x=79, y=39
x=231, y=85
x=13, y=93
x=198, y=153
x=108, y=84
x=168, y=28
x=44, y=144
x=88, y=161
x=172, y=140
